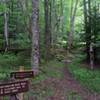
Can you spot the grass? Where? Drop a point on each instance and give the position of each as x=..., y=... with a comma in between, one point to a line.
x=88, y=78
x=48, y=70
x=73, y=96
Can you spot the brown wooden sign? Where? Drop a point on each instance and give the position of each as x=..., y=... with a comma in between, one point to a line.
x=22, y=75
x=13, y=88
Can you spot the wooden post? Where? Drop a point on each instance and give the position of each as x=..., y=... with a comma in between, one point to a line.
x=21, y=95
x=21, y=69
x=13, y=97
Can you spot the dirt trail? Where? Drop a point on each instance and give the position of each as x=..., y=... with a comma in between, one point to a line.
x=69, y=89
x=66, y=88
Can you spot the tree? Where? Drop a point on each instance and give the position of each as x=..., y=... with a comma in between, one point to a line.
x=72, y=19
x=91, y=21
x=47, y=30
x=35, y=36
x=6, y=30
x=5, y=13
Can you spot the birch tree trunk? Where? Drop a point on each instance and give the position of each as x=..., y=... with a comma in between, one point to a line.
x=35, y=37
x=72, y=19
x=6, y=30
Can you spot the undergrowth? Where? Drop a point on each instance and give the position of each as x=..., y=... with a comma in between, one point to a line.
x=11, y=62
x=50, y=69
x=88, y=78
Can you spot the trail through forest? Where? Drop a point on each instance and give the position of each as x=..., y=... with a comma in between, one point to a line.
x=69, y=89
x=66, y=88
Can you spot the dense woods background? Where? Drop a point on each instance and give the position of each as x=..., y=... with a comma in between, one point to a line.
x=61, y=23
x=36, y=32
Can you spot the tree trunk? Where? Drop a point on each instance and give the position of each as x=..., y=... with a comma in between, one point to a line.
x=50, y=21
x=72, y=19
x=86, y=28
x=87, y=20
x=91, y=56
x=62, y=16
x=47, y=31
x=6, y=30
x=35, y=37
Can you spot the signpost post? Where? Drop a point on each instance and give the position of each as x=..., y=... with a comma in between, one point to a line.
x=21, y=96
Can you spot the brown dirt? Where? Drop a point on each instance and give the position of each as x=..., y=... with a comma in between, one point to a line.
x=66, y=88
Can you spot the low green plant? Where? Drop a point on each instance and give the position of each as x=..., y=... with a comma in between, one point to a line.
x=88, y=78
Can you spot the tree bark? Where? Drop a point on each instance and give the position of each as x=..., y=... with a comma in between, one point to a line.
x=72, y=19
x=47, y=31
x=6, y=30
x=87, y=20
x=35, y=37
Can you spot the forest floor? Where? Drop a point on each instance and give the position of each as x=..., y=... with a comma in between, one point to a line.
x=64, y=88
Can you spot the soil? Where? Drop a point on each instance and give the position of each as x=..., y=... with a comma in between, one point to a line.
x=66, y=88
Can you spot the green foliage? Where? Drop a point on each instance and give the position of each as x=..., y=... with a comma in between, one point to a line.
x=17, y=23
x=72, y=95
x=4, y=76
x=50, y=71
x=22, y=41
x=46, y=70
x=10, y=61
x=88, y=78
x=7, y=60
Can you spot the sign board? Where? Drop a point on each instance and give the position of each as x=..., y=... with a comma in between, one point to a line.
x=22, y=75
x=13, y=88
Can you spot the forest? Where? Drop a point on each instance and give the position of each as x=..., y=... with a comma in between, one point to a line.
x=58, y=41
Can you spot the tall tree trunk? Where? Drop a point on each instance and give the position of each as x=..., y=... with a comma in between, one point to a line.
x=88, y=33
x=35, y=36
x=50, y=21
x=62, y=15
x=87, y=19
x=6, y=30
x=72, y=19
x=86, y=29
x=47, y=32
x=91, y=41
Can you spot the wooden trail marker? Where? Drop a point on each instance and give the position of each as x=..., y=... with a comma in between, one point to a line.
x=22, y=74
x=13, y=88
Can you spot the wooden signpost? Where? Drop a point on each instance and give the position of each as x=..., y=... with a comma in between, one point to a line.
x=16, y=88
x=13, y=88
x=22, y=74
